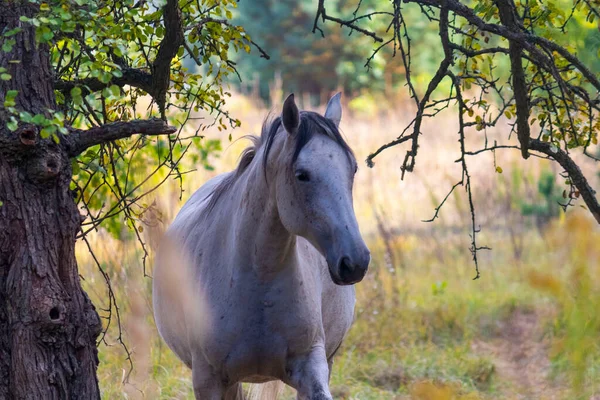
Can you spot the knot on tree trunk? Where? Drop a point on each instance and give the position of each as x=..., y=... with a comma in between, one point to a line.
x=47, y=166
x=28, y=134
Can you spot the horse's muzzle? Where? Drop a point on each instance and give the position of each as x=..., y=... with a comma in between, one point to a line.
x=349, y=271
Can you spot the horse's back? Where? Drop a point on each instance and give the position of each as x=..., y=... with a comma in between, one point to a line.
x=194, y=209
x=172, y=283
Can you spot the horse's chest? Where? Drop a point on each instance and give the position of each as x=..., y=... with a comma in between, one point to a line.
x=260, y=328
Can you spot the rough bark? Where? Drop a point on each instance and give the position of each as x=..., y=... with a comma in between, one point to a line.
x=48, y=326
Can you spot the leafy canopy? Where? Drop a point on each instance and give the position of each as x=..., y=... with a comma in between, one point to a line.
x=131, y=59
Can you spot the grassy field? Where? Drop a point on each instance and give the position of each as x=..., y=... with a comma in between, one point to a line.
x=528, y=329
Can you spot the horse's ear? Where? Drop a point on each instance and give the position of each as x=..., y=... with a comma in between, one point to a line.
x=290, y=116
x=334, y=109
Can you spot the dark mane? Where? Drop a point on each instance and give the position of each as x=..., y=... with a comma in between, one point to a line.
x=311, y=123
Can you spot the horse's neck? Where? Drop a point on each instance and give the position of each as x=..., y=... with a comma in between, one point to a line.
x=260, y=237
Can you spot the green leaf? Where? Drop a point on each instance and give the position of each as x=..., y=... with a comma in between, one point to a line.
x=76, y=91
x=9, y=100
x=116, y=91
x=75, y=167
x=25, y=117
x=8, y=45
x=12, y=124
x=47, y=131
x=44, y=34
x=105, y=77
x=39, y=119
x=12, y=32
x=5, y=77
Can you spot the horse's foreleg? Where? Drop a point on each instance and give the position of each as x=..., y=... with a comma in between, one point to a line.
x=207, y=385
x=309, y=375
x=235, y=392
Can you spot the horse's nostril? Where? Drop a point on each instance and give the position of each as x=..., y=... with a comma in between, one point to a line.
x=346, y=266
x=350, y=272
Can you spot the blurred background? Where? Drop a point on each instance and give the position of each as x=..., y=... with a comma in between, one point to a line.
x=527, y=329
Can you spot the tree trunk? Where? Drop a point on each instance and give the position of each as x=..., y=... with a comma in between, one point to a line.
x=48, y=326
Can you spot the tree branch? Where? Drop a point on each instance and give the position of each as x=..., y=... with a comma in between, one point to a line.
x=442, y=71
x=155, y=83
x=131, y=76
x=577, y=177
x=80, y=140
x=509, y=19
x=161, y=68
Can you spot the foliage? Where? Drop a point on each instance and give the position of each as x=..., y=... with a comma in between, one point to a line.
x=108, y=60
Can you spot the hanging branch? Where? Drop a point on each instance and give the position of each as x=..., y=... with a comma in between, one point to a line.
x=508, y=17
x=546, y=82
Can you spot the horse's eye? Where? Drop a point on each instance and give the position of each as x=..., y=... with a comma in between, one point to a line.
x=302, y=176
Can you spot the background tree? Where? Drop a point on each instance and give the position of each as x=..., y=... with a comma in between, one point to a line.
x=77, y=79
x=305, y=63
x=549, y=95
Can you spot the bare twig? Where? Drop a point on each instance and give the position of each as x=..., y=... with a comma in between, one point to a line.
x=326, y=17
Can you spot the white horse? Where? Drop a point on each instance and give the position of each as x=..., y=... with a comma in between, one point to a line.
x=273, y=249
